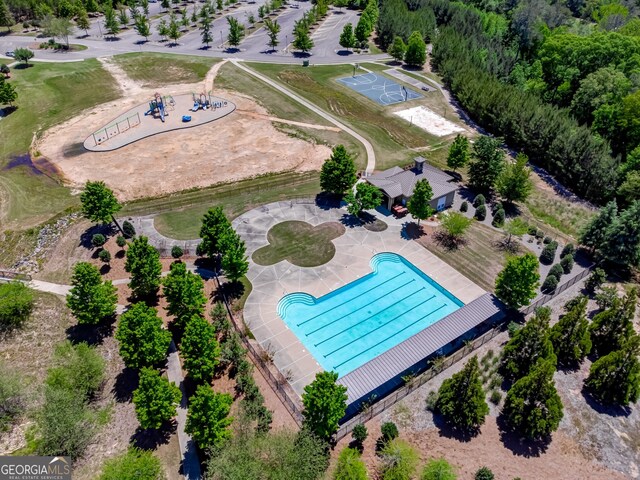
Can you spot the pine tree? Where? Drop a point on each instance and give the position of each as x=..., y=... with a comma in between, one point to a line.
x=200, y=349
x=6, y=19
x=416, y=54
x=418, y=205
x=143, y=342
x=514, y=183
x=325, y=403
x=622, y=244
x=155, y=399
x=533, y=405
x=570, y=336
x=338, y=173
x=90, y=299
x=529, y=344
x=612, y=327
x=487, y=163
x=208, y=417
x=615, y=378
x=594, y=234
x=184, y=292
x=143, y=263
x=458, y=153
x=461, y=399
x=516, y=284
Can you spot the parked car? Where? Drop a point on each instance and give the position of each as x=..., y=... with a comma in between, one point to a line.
x=425, y=88
x=9, y=54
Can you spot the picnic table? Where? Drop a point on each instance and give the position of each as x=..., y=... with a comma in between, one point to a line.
x=399, y=211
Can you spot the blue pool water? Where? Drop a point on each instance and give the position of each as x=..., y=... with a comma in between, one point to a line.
x=346, y=328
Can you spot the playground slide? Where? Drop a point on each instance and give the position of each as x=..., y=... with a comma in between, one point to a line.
x=161, y=108
x=196, y=106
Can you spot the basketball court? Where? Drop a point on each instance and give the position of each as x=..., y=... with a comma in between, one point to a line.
x=379, y=89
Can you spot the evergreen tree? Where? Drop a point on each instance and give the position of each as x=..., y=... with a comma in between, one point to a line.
x=487, y=163
x=143, y=263
x=458, y=153
x=397, y=49
x=347, y=38
x=529, y=344
x=208, y=417
x=514, y=184
x=338, y=173
x=184, y=292
x=6, y=19
x=570, y=336
x=165, y=4
x=200, y=349
x=418, y=205
x=214, y=226
x=594, y=234
x=416, y=54
x=622, y=244
x=611, y=328
x=143, y=342
x=90, y=299
x=98, y=203
x=155, y=399
x=615, y=378
x=236, y=32
x=325, y=403
x=516, y=284
x=533, y=405
x=461, y=399
x=366, y=197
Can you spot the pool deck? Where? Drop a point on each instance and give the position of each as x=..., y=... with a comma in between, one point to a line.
x=354, y=250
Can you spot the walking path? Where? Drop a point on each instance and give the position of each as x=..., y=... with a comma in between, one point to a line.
x=371, y=156
x=190, y=460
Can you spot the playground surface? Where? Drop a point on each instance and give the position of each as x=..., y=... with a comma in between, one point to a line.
x=140, y=122
x=235, y=147
x=381, y=90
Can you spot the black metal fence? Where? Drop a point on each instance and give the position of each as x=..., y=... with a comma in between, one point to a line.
x=544, y=298
x=8, y=275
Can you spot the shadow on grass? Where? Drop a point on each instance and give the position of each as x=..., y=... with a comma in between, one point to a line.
x=151, y=438
x=87, y=235
x=519, y=445
x=126, y=382
x=91, y=334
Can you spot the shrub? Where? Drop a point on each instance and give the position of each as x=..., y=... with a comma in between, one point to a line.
x=350, y=466
x=547, y=240
x=512, y=328
x=557, y=271
x=98, y=240
x=389, y=431
x=128, y=229
x=176, y=252
x=399, y=461
x=532, y=230
x=498, y=218
x=464, y=206
x=121, y=241
x=548, y=254
x=495, y=207
x=481, y=213
x=12, y=398
x=569, y=249
x=134, y=464
x=438, y=469
x=539, y=234
x=432, y=400
x=104, y=256
x=495, y=397
x=484, y=473
x=567, y=263
x=595, y=280
x=550, y=284
x=479, y=200
x=359, y=433
x=16, y=304
x=496, y=381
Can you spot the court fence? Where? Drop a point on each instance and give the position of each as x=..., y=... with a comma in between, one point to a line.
x=116, y=128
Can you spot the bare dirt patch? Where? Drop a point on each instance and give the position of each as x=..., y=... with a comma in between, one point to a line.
x=232, y=148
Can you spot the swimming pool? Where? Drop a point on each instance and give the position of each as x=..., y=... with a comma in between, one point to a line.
x=346, y=328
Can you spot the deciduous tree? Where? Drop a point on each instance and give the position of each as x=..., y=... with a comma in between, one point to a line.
x=99, y=204
x=325, y=403
x=273, y=29
x=143, y=263
x=365, y=197
x=236, y=31
x=514, y=183
x=347, y=38
x=397, y=49
x=338, y=173
x=418, y=205
x=90, y=299
x=200, y=349
x=208, y=418
x=23, y=55
x=143, y=342
x=458, y=152
x=416, y=54
x=155, y=399
x=184, y=292
x=516, y=284
x=16, y=304
x=486, y=164
x=214, y=226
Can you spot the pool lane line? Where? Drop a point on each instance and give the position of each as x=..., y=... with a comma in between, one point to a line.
x=374, y=315
x=356, y=310
x=391, y=336
x=352, y=298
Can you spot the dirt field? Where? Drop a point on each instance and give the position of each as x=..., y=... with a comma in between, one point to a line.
x=241, y=145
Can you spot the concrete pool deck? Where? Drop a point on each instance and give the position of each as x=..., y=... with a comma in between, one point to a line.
x=354, y=250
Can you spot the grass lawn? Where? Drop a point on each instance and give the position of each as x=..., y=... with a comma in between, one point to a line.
x=236, y=198
x=158, y=69
x=393, y=139
x=300, y=243
x=48, y=93
x=279, y=105
x=480, y=261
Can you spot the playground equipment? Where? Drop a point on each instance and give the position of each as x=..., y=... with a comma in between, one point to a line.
x=159, y=105
x=202, y=101
x=186, y=118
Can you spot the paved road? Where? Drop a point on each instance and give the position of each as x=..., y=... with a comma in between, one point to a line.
x=371, y=156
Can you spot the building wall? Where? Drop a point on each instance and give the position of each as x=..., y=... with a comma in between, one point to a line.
x=447, y=203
